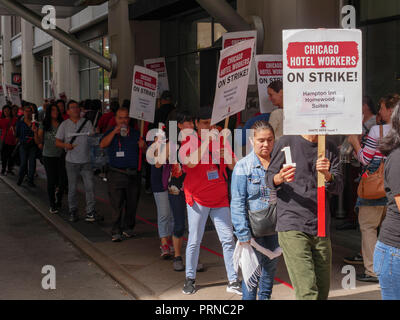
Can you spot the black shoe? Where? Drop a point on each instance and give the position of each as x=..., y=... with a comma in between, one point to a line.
x=19, y=182
x=116, y=237
x=53, y=210
x=189, y=287
x=3, y=172
x=73, y=216
x=234, y=287
x=357, y=259
x=347, y=226
x=366, y=278
x=90, y=217
x=31, y=184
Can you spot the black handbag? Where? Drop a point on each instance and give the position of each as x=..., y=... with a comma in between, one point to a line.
x=263, y=222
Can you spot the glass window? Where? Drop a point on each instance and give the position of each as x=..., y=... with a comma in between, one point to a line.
x=15, y=25
x=95, y=81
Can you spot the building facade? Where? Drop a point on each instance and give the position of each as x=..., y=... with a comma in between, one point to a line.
x=188, y=37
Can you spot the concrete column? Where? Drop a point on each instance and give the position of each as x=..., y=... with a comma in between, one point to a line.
x=65, y=66
x=8, y=65
x=32, y=69
x=122, y=44
x=278, y=15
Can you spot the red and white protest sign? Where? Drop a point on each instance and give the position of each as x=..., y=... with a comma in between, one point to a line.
x=322, y=81
x=269, y=69
x=159, y=66
x=231, y=38
x=13, y=94
x=232, y=80
x=144, y=90
x=2, y=96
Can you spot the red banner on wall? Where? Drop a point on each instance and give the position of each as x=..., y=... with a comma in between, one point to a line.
x=341, y=54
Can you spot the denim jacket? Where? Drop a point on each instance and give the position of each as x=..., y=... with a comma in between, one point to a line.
x=249, y=192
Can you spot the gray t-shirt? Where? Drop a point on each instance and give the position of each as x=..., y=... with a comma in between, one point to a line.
x=390, y=230
x=49, y=143
x=65, y=132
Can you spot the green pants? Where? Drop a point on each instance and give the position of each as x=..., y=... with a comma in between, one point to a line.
x=308, y=260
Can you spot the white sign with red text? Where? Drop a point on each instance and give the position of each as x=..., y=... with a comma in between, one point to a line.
x=13, y=94
x=322, y=81
x=232, y=38
x=159, y=65
x=144, y=91
x=269, y=69
x=232, y=80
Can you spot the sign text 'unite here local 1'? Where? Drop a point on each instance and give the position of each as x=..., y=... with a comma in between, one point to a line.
x=322, y=81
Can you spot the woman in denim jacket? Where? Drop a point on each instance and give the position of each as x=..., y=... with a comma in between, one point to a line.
x=250, y=193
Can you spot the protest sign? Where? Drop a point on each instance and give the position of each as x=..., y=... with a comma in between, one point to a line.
x=2, y=96
x=269, y=69
x=322, y=81
x=13, y=94
x=232, y=80
x=159, y=66
x=231, y=38
x=143, y=98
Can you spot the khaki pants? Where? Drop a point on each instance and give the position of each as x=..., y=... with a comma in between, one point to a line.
x=308, y=261
x=370, y=218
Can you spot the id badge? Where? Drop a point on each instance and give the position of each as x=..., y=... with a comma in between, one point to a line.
x=120, y=154
x=212, y=175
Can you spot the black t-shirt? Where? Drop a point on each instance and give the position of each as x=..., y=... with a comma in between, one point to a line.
x=297, y=205
x=390, y=230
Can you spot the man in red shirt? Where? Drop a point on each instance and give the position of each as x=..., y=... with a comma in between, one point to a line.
x=206, y=194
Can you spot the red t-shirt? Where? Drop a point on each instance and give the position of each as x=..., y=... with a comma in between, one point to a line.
x=104, y=121
x=65, y=116
x=205, y=183
x=10, y=137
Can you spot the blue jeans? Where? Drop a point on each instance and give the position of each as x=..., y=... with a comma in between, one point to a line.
x=387, y=269
x=165, y=219
x=268, y=268
x=73, y=172
x=178, y=207
x=27, y=154
x=197, y=218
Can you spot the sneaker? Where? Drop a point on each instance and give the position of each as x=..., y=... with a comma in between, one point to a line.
x=116, y=237
x=90, y=217
x=189, y=286
x=178, y=264
x=366, y=278
x=357, y=259
x=53, y=210
x=165, y=252
x=234, y=287
x=200, y=267
x=73, y=216
x=128, y=234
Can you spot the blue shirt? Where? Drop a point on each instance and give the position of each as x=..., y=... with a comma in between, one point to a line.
x=24, y=133
x=128, y=145
x=249, y=193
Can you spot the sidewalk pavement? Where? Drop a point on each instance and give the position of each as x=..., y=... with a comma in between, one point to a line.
x=135, y=263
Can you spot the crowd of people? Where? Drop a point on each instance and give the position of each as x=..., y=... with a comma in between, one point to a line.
x=204, y=178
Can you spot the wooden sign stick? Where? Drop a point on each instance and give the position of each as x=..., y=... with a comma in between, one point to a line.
x=140, y=150
x=321, y=190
